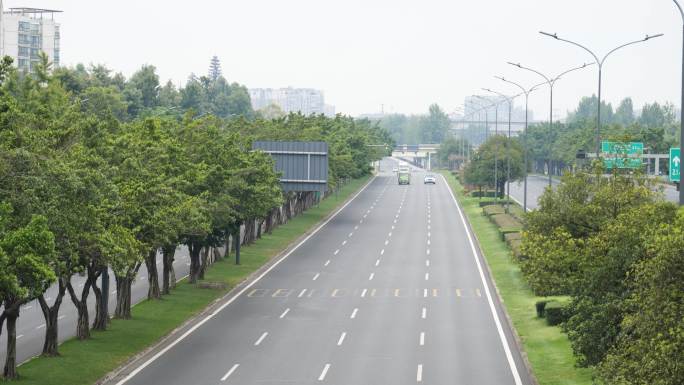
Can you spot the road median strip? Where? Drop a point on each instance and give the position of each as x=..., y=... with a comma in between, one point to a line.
x=87, y=362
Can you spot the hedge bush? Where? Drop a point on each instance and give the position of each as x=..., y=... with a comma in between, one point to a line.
x=540, y=306
x=555, y=313
x=493, y=210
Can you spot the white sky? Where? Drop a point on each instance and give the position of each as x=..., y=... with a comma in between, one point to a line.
x=404, y=54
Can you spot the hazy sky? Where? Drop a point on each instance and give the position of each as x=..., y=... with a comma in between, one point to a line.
x=364, y=53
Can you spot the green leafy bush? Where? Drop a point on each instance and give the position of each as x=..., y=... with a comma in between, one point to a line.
x=540, y=306
x=555, y=313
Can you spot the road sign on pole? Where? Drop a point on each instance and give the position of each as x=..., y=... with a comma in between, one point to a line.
x=675, y=160
x=622, y=155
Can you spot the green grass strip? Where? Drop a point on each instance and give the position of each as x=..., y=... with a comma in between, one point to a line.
x=547, y=348
x=85, y=362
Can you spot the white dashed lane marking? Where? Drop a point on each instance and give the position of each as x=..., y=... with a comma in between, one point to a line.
x=324, y=372
x=225, y=377
x=261, y=339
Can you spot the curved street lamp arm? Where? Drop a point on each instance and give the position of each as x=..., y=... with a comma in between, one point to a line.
x=555, y=36
x=647, y=38
x=515, y=84
x=680, y=8
x=585, y=65
x=531, y=70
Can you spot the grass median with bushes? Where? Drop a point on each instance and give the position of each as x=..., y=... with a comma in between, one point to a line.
x=547, y=348
x=85, y=362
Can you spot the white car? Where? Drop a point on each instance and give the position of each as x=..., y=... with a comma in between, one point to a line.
x=429, y=179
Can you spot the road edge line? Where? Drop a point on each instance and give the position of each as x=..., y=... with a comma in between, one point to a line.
x=230, y=297
x=502, y=335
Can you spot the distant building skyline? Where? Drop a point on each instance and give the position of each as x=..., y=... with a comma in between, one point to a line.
x=307, y=101
x=25, y=32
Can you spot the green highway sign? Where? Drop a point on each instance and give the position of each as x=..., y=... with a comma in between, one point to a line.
x=675, y=160
x=622, y=155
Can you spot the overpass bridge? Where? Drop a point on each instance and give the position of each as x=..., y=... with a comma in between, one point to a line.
x=420, y=154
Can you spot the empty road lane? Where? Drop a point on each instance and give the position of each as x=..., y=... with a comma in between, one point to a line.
x=389, y=291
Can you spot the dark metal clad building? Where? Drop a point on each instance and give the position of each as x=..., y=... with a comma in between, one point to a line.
x=303, y=166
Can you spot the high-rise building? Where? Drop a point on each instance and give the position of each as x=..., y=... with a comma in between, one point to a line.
x=25, y=32
x=304, y=100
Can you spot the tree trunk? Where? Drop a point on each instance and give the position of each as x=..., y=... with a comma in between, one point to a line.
x=168, y=275
x=226, y=252
x=51, y=314
x=101, y=299
x=10, y=371
x=153, y=291
x=195, y=263
x=260, y=226
x=123, y=297
x=82, y=327
x=204, y=263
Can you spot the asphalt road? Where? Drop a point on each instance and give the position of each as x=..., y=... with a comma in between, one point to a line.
x=536, y=185
x=389, y=291
x=31, y=324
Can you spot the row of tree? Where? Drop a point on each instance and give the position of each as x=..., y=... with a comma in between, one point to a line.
x=417, y=129
x=616, y=248
x=94, y=177
x=656, y=126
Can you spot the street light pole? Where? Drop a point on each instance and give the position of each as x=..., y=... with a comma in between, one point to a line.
x=600, y=63
x=509, y=99
x=496, y=154
x=681, y=118
x=551, y=82
x=527, y=93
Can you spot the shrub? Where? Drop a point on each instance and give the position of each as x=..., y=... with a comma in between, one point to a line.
x=555, y=313
x=493, y=210
x=506, y=221
x=540, y=306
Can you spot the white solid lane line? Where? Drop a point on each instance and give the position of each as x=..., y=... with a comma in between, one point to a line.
x=353, y=314
x=371, y=276
x=341, y=340
x=261, y=339
x=324, y=372
x=422, y=338
x=225, y=377
x=285, y=313
x=419, y=373
x=424, y=315
x=316, y=276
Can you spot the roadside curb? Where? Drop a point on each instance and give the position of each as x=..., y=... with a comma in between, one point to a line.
x=132, y=364
x=490, y=276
